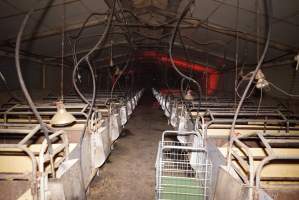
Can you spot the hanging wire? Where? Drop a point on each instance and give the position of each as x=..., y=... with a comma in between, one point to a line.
x=62, y=52
x=283, y=91
x=8, y=90
x=260, y=102
x=118, y=77
x=88, y=117
x=171, y=42
x=246, y=77
x=111, y=55
x=207, y=56
x=268, y=12
x=44, y=127
x=128, y=33
x=187, y=57
x=257, y=30
x=85, y=58
x=237, y=51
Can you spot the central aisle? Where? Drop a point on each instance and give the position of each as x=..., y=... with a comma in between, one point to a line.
x=129, y=174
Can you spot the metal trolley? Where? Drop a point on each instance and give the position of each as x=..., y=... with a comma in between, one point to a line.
x=183, y=170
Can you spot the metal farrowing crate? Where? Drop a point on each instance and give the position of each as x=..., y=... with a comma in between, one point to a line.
x=183, y=171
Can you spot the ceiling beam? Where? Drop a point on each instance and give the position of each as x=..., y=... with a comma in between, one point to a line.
x=274, y=19
x=123, y=43
x=248, y=37
x=66, y=2
x=193, y=21
x=32, y=59
x=91, y=23
x=231, y=32
x=57, y=31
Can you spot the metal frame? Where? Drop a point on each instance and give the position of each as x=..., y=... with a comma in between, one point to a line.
x=265, y=140
x=220, y=111
x=182, y=164
x=29, y=127
x=33, y=177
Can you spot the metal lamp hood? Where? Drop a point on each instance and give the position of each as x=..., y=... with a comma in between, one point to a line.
x=62, y=117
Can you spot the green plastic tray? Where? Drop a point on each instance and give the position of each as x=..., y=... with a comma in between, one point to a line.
x=181, y=188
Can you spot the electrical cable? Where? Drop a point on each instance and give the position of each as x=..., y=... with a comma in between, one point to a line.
x=182, y=91
x=171, y=42
x=100, y=41
x=118, y=77
x=283, y=91
x=268, y=12
x=165, y=75
x=76, y=65
x=128, y=34
x=86, y=59
x=8, y=90
x=167, y=85
x=62, y=53
x=88, y=116
x=239, y=84
x=260, y=102
x=236, y=51
x=85, y=22
x=77, y=36
x=44, y=127
x=248, y=96
x=187, y=57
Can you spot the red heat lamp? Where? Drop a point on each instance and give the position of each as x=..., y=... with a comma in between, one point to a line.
x=212, y=74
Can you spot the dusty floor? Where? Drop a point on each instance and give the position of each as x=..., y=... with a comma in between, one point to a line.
x=129, y=173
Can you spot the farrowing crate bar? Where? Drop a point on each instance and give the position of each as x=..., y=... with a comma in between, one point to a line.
x=20, y=130
x=126, y=103
x=27, y=171
x=267, y=135
x=268, y=170
x=219, y=116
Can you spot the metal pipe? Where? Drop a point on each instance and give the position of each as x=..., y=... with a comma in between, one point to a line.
x=30, y=135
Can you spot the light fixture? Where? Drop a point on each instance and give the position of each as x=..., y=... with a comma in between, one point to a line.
x=189, y=95
x=62, y=117
x=111, y=55
x=111, y=63
x=296, y=58
x=117, y=71
x=261, y=80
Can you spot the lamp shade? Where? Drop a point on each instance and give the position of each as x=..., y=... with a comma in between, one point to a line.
x=189, y=95
x=262, y=83
x=62, y=117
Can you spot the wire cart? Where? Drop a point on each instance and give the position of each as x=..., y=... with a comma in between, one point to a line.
x=183, y=171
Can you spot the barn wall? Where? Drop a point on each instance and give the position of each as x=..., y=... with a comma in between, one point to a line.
x=33, y=76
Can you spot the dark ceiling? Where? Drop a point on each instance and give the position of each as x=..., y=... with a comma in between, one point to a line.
x=210, y=30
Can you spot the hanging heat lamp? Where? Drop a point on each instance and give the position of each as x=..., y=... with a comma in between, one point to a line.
x=189, y=95
x=62, y=117
x=261, y=80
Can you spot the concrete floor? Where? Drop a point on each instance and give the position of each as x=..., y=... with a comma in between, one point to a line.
x=129, y=174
